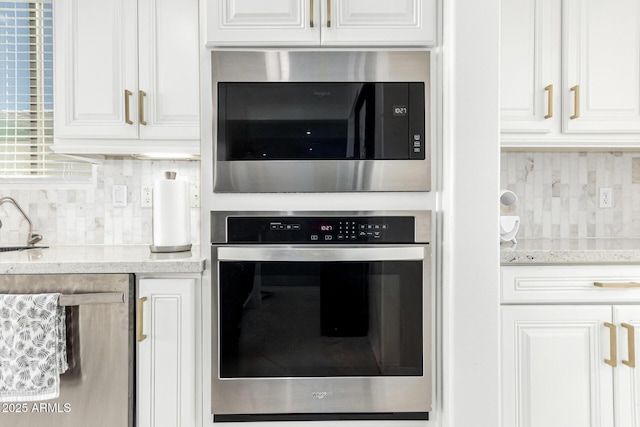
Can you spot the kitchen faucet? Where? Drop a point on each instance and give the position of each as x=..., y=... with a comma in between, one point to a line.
x=33, y=238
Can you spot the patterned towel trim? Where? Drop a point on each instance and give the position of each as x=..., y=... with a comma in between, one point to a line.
x=32, y=347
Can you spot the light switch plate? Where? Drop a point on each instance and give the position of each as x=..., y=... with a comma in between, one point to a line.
x=119, y=196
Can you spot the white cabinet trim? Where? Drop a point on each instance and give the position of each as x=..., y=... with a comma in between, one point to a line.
x=567, y=284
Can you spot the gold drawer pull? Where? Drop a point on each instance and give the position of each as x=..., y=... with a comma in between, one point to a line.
x=311, y=23
x=631, y=342
x=328, y=13
x=613, y=346
x=576, y=102
x=141, y=95
x=627, y=285
x=549, y=90
x=141, y=336
x=127, y=112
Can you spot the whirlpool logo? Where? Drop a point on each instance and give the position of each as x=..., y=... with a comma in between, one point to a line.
x=321, y=394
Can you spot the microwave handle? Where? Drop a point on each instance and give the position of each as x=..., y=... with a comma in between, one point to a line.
x=322, y=254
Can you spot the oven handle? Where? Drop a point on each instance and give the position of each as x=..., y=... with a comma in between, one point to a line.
x=321, y=254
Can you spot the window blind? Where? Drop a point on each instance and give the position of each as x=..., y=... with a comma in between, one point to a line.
x=26, y=96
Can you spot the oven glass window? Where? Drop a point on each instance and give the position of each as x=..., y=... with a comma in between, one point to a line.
x=320, y=319
x=318, y=121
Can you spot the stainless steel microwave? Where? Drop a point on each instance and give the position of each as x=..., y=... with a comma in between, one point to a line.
x=321, y=121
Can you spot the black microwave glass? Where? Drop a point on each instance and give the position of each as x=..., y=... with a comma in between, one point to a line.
x=321, y=121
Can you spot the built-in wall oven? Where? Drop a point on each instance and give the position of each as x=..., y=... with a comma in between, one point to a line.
x=321, y=121
x=321, y=315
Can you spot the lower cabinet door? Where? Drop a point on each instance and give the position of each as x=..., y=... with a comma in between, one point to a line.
x=553, y=368
x=166, y=353
x=627, y=376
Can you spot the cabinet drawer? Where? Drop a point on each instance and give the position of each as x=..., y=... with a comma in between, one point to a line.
x=570, y=284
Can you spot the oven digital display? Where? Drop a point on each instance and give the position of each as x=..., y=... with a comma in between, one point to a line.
x=381, y=229
x=321, y=227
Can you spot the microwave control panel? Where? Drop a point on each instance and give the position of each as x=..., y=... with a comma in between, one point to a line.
x=321, y=230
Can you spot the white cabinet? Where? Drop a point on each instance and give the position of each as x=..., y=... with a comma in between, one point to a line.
x=627, y=377
x=563, y=362
x=530, y=66
x=166, y=353
x=320, y=22
x=553, y=368
x=126, y=77
x=601, y=66
x=570, y=73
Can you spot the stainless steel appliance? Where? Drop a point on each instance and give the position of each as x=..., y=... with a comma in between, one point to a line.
x=321, y=315
x=97, y=389
x=321, y=121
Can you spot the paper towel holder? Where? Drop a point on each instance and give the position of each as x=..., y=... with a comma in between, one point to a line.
x=166, y=249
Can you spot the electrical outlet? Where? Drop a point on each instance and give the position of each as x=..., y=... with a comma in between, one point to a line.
x=606, y=197
x=146, y=196
x=194, y=196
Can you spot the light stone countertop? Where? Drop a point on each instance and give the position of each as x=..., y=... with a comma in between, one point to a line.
x=80, y=259
x=571, y=251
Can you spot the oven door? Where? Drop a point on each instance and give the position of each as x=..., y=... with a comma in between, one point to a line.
x=322, y=330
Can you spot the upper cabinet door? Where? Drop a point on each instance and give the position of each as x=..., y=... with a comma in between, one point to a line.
x=321, y=22
x=530, y=66
x=168, y=84
x=127, y=77
x=378, y=22
x=95, y=65
x=602, y=66
x=263, y=23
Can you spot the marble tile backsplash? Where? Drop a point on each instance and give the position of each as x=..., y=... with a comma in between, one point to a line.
x=558, y=193
x=557, y=198
x=86, y=215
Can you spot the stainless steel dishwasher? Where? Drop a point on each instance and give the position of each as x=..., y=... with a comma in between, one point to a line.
x=97, y=389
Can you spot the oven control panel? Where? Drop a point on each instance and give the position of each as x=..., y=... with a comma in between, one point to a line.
x=319, y=230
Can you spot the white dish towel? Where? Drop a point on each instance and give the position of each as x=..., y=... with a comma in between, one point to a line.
x=32, y=347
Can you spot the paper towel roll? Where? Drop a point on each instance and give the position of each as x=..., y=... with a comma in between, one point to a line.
x=171, y=216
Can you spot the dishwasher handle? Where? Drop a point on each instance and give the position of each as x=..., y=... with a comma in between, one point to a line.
x=93, y=298
x=322, y=254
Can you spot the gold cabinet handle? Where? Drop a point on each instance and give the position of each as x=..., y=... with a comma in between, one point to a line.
x=617, y=285
x=613, y=349
x=311, y=24
x=127, y=112
x=549, y=90
x=576, y=102
x=631, y=343
x=140, y=323
x=328, y=13
x=141, y=95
